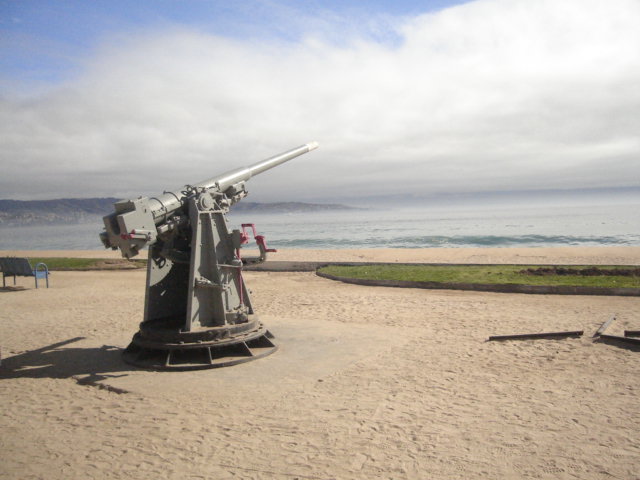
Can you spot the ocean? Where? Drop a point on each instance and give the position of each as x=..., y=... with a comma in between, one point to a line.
x=415, y=227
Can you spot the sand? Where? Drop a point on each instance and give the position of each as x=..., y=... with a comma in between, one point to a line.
x=552, y=255
x=369, y=382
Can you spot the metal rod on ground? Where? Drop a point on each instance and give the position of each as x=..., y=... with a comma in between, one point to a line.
x=632, y=333
x=604, y=326
x=619, y=339
x=533, y=336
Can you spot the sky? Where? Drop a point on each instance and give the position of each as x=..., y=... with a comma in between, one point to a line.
x=406, y=98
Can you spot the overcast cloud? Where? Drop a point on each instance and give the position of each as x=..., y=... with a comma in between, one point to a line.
x=489, y=95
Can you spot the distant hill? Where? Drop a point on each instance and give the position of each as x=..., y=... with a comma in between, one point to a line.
x=287, y=207
x=79, y=210
x=58, y=211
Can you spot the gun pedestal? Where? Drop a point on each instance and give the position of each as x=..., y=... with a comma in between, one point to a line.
x=198, y=311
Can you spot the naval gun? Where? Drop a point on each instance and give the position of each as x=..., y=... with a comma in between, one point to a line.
x=197, y=309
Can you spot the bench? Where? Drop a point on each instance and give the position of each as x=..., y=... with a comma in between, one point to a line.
x=16, y=266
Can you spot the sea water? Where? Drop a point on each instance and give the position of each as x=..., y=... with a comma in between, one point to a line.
x=403, y=227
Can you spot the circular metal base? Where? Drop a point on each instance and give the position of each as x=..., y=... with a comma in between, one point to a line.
x=160, y=346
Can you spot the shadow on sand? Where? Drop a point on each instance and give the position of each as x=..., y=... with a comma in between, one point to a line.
x=87, y=366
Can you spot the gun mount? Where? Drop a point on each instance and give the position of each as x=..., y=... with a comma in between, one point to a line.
x=197, y=311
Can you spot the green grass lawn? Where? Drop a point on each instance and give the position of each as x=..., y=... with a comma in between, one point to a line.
x=484, y=274
x=487, y=274
x=65, y=263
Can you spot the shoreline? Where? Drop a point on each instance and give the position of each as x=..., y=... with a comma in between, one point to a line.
x=470, y=255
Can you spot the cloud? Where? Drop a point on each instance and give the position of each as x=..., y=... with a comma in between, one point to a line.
x=489, y=95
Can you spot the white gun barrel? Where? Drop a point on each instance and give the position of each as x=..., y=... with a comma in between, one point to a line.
x=169, y=202
x=137, y=223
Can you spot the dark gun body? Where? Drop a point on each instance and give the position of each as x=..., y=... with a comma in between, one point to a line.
x=198, y=311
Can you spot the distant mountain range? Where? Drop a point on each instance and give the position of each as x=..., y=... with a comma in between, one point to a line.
x=79, y=210
x=288, y=207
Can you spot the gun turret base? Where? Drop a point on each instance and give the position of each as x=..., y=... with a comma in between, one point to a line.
x=198, y=350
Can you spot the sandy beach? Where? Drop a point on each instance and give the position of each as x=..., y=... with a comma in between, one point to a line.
x=523, y=255
x=368, y=382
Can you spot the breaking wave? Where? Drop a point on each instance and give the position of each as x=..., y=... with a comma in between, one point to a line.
x=460, y=241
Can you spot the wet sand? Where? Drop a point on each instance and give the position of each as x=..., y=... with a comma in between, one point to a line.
x=368, y=382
